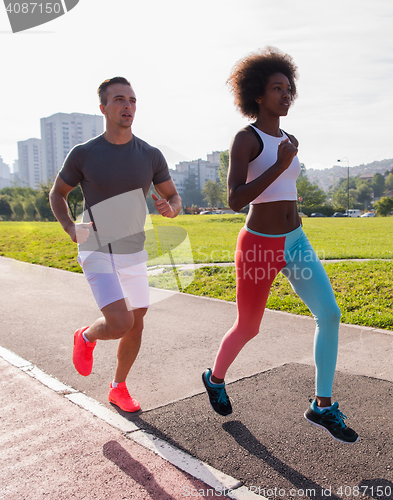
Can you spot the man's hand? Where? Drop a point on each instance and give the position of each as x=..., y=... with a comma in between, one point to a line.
x=80, y=232
x=163, y=207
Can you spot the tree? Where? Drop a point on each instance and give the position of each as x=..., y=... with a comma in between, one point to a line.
x=340, y=199
x=5, y=208
x=30, y=210
x=387, y=172
x=18, y=192
x=43, y=208
x=74, y=200
x=312, y=194
x=42, y=202
x=18, y=210
x=191, y=194
x=389, y=182
x=378, y=185
x=384, y=206
x=213, y=193
x=223, y=172
x=149, y=200
x=340, y=193
x=364, y=191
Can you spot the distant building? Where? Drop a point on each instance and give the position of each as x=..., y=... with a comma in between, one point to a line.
x=367, y=177
x=198, y=170
x=5, y=173
x=179, y=179
x=14, y=177
x=61, y=132
x=214, y=157
x=30, y=169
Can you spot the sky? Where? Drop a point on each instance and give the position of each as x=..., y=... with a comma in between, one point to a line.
x=178, y=56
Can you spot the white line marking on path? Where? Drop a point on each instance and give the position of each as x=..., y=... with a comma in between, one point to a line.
x=212, y=477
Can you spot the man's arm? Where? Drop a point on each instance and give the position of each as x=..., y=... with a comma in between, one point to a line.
x=58, y=202
x=170, y=203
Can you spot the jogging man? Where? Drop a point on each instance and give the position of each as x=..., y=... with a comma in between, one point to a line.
x=115, y=171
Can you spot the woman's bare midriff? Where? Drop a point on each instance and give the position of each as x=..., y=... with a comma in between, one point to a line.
x=277, y=217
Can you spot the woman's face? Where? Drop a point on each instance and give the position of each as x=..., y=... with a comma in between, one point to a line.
x=277, y=97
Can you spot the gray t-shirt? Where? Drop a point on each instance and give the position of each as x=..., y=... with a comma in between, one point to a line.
x=115, y=180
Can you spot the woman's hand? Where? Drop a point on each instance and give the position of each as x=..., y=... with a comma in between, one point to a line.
x=286, y=153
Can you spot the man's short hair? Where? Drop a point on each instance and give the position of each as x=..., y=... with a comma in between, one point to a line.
x=102, y=89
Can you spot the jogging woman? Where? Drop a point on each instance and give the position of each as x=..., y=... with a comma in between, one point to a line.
x=263, y=169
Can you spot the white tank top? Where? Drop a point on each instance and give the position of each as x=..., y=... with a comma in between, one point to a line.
x=284, y=187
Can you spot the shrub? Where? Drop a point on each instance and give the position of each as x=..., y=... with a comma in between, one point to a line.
x=5, y=208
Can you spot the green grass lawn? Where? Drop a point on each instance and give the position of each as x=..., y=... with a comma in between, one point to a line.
x=363, y=290
x=213, y=237
x=353, y=238
x=43, y=243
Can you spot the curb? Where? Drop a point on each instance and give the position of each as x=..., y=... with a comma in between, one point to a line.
x=221, y=482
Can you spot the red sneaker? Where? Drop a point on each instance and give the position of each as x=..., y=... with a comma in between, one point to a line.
x=83, y=353
x=121, y=397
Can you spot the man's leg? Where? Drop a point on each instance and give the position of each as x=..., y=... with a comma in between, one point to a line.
x=127, y=352
x=116, y=321
x=119, y=322
x=129, y=346
x=127, y=287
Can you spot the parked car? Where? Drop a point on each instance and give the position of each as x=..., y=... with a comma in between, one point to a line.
x=353, y=212
x=368, y=214
x=317, y=214
x=302, y=214
x=205, y=212
x=339, y=214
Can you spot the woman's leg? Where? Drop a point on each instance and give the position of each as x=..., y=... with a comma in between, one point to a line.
x=311, y=283
x=258, y=261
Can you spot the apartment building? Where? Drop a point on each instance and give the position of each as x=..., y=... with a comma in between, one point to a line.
x=199, y=170
x=61, y=132
x=4, y=174
x=30, y=167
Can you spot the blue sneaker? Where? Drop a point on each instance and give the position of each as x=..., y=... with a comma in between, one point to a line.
x=218, y=397
x=333, y=421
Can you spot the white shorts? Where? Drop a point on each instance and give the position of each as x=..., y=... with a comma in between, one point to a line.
x=114, y=277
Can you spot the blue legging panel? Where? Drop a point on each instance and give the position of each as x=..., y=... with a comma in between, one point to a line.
x=310, y=282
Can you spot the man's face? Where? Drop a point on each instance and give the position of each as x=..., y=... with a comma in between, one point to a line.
x=120, y=108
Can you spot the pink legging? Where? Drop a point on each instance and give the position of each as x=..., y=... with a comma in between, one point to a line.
x=259, y=258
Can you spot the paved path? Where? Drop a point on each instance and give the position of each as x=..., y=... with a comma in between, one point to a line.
x=266, y=443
